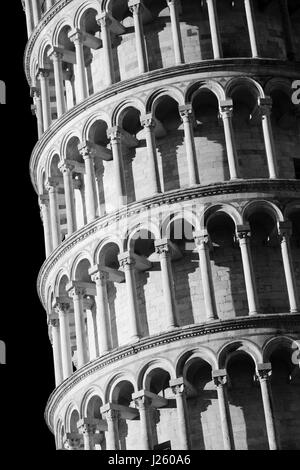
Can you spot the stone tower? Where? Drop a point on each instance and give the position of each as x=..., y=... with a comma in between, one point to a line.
x=167, y=170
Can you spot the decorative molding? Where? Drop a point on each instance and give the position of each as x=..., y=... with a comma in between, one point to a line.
x=279, y=322
x=171, y=197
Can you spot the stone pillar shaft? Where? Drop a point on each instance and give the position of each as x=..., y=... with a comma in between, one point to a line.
x=243, y=233
x=44, y=203
x=104, y=24
x=80, y=73
x=202, y=244
x=264, y=371
x=81, y=344
x=54, y=213
x=128, y=265
x=66, y=170
x=56, y=352
x=163, y=251
x=114, y=135
x=102, y=313
x=186, y=114
x=265, y=106
x=45, y=96
x=28, y=17
x=249, y=8
x=219, y=377
x=214, y=28
x=135, y=7
x=59, y=83
x=36, y=11
x=284, y=231
x=63, y=312
x=149, y=124
x=176, y=33
x=226, y=109
x=90, y=186
x=178, y=389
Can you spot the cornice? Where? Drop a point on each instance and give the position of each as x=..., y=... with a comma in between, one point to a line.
x=279, y=322
x=170, y=197
x=260, y=67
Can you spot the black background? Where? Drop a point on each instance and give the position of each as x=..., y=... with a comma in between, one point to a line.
x=27, y=379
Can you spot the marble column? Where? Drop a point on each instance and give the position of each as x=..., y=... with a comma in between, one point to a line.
x=135, y=6
x=85, y=151
x=285, y=230
x=178, y=389
x=102, y=312
x=202, y=245
x=112, y=418
x=80, y=73
x=56, y=57
x=226, y=111
x=45, y=97
x=251, y=23
x=87, y=430
x=52, y=188
x=77, y=293
x=36, y=95
x=54, y=323
x=45, y=215
x=163, y=250
x=264, y=372
x=220, y=378
x=114, y=134
x=243, y=235
x=127, y=264
x=149, y=125
x=36, y=11
x=104, y=22
x=176, y=33
x=265, y=107
x=186, y=114
x=143, y=404
x=62, y=309
x=66, y=169
x=27, y=9
x=49, y=4
x=214, y=28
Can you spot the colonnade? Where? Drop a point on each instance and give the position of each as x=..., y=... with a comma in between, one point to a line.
x=95, y=339
x=117, y=136
x=144, y=402
x=104, y=20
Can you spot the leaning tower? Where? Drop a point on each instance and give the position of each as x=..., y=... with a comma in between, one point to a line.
x=167, y=171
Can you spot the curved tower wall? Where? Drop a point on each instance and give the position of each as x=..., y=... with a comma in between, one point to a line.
x=167, y=171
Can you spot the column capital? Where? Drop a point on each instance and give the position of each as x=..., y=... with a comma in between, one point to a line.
x=141, y=400
x=98, y=274
x=51, y=184
x=76, y=36
x=177, y=386
x=226, y=108
x=53, y=322
x=135, y=6
x=111, y=412
x=219, y=377
x=265, y=105
x=264, y=370
x=126, y=260
x=243, y=232
x=56, y=53
x=186, y=111
x=162, y=246
x=103, y=20
x=44, y=200
x=87, y=426
x=85, y=149
x=61, y=306
x=172, y=2
x=43, y=73
x=65, y=167
x=202, y=238
x=148, y=121
x=72, y=440
x=74, y=289
x=114, y=134
x=35, y=92
x=285, y=229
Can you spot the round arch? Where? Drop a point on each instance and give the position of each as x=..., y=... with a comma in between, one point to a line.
x=241, y=345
